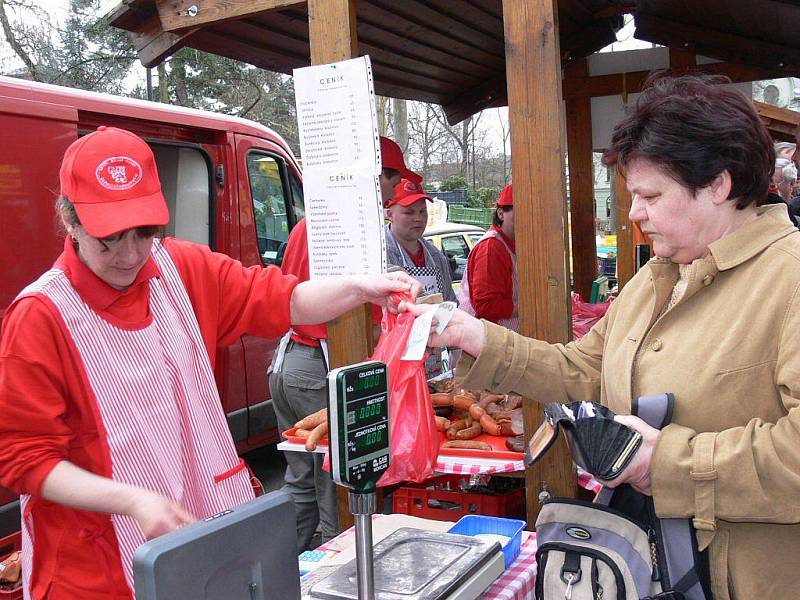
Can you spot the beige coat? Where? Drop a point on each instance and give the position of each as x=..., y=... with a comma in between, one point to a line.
x=730, y=352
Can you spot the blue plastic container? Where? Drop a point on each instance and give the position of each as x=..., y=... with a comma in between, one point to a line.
x=511, y=528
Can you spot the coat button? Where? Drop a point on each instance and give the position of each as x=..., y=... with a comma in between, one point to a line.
x=656, y=346
x=708, y=280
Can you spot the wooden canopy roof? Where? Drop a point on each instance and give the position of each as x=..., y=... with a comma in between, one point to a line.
x=452, y=52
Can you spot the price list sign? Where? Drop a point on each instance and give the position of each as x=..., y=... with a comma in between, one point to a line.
x=340, y=149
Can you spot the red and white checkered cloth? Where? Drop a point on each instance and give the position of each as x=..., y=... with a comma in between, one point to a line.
x=519, y=579
x=461, y=465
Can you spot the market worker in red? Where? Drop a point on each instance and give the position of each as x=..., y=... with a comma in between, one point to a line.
x=112, y=427
x=489, y=289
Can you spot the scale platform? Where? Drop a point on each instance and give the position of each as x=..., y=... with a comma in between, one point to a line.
x=413, y=564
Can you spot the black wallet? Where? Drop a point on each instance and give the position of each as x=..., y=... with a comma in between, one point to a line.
x=598, y=443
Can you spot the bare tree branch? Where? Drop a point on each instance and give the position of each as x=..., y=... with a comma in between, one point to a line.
x=12, y=40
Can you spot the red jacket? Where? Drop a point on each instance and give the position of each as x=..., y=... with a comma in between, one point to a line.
x=490, y=273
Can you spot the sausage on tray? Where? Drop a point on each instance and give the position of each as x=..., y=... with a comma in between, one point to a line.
x=476, y=412
x=468, y=444
x=489, y=425
x=442, y=423
x=319, y=432
x=470, y=432
x=457, y=426
x=462, y=402
x=442, y=399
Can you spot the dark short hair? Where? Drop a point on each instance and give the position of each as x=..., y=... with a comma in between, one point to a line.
x=389, y=173
x=694, y=128
x=497, y=221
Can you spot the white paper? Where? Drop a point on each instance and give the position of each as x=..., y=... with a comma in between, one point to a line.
x=421, y=330
x=340, y=148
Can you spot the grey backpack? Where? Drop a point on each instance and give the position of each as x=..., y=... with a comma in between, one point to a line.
x=592, y=551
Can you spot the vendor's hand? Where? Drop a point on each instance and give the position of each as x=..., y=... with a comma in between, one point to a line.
x=378, y=289
x=463, y=331
x=157, y=515
x=637, y=473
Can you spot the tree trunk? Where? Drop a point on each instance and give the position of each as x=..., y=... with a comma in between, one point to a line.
x=163, y=85
x=400, y=120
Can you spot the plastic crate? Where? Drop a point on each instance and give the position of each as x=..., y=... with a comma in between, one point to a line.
x=10, y=544
x=449, y=505
x=511, y=528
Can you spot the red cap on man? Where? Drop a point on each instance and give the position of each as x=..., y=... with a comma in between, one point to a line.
x=110, y=178
x=407, y=193
x=506, y=197
x=392, y=158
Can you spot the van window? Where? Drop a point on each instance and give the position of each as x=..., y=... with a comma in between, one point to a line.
x=185, y=183
x=269, y=205
x=298, y=203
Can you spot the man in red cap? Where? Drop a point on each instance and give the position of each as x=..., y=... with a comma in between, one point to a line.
x=298, y=378
x=489, y=289
x=113, y=430
x=407, y=212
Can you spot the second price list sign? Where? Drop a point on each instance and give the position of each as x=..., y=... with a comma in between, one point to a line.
x=340, y=149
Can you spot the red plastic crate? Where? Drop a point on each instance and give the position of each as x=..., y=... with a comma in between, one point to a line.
x=10, y=544
x=451, y=505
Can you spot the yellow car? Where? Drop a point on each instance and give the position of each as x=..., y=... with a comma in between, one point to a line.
x=455, y=240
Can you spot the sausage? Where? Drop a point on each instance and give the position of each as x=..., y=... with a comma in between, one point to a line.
x=506, y=428
x=312, y=420
x=516, y=443
x=489, y=425
x=302, y=433
x=457, y=426
x=476, y=412
x=319, y=432
x=490, y=399
x=470, y=432
x=442, y=399
x=462, y=402
x=513, y=402
x=470, y=394
x=467, y=444
x=442, y=424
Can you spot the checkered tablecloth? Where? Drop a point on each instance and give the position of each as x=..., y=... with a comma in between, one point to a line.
x=518, y=580
x=461, y=465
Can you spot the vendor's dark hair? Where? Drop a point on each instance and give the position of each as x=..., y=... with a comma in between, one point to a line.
x=695, y=128
x=497, y=221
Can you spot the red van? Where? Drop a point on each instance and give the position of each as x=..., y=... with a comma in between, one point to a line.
x=230, y=183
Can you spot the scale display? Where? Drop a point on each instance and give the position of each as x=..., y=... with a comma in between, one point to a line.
x=358, y=406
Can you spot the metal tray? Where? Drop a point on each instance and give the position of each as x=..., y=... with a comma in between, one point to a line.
x=413, y=564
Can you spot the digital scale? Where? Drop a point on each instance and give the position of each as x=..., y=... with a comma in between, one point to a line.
x=410, y=564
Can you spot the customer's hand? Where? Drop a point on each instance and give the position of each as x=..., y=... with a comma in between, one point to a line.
x=637, y=473
x=463, y=331
x=155, y=514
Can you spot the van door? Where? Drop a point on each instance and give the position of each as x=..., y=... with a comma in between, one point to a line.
x=270, y=204
x=35, y=136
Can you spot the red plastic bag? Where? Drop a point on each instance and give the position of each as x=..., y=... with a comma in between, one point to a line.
x=413, y=436
x=585, y=315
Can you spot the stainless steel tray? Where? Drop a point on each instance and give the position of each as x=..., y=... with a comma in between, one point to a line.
x=413, y=564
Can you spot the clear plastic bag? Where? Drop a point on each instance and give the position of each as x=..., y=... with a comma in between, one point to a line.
x=412, y=430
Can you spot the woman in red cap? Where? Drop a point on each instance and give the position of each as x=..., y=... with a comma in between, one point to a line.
x=489, y=288
x=113, y=431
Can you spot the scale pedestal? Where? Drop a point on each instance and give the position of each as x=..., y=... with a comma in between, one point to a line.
x=363, y=507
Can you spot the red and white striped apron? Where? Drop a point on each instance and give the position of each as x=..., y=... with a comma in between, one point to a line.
x=464, y=303
x=158, y=401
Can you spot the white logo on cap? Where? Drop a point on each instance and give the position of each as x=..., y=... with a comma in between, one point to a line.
x=118, y=173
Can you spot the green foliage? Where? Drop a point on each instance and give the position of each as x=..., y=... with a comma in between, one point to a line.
x=482, y=197
x=454, y=182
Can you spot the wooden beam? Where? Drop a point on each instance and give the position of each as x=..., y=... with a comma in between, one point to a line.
x=181, y=14
x=626, y=244
x=533, y=68
x=153, y=44
x=616, y=83
x=718, y=44
x=780, y=122
x=581, y=190
x=492, y=92
x=332, y=33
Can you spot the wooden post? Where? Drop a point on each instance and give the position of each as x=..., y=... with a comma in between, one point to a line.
x=581, y=187
x=533, y=68
x=332, y=36
x=626, y=244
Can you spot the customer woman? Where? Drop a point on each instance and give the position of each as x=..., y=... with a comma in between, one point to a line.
x=489, y=289
x=112, y=426
x=714, y=319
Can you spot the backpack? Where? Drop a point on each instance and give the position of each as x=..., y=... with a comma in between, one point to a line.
x=615, y=548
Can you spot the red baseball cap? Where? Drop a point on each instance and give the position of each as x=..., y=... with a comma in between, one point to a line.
x=406, y=193
x=506, y=197
x=392, y=158
x=110, y=177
